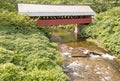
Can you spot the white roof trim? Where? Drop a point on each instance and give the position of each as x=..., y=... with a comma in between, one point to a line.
x=53, y=10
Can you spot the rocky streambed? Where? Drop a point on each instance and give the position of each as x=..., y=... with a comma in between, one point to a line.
x=86, y=61
x=87, y=65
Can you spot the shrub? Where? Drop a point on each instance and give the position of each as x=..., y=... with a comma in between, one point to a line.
x=11, y=72
x=25, y=51
x=106, y=29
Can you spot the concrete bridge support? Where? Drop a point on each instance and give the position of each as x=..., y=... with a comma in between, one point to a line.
x=77, y=32
x=77, y=28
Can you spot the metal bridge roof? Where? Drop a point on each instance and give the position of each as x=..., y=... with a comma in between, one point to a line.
x=54, y=10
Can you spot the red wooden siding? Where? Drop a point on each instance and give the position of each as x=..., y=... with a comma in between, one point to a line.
x=49, y=22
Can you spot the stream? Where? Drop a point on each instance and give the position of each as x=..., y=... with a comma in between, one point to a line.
x=85, y=60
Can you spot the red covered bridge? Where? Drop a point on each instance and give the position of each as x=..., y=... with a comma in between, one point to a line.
x=57, y=14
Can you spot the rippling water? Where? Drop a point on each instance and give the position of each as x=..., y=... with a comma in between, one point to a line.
x=80, y=65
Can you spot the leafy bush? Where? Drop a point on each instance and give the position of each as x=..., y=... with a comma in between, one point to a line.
x=106, y=29
x=28, y=51
x=11, y=72
x=47, y=75
x=25, y=52
x=9, y=5
x=13, y=19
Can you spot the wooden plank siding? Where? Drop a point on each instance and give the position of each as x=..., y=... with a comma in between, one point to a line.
x=49, y=22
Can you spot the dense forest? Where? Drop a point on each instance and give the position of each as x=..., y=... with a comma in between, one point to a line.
x=25, y=51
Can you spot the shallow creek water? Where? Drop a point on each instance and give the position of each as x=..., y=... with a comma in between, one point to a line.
x=85, y=61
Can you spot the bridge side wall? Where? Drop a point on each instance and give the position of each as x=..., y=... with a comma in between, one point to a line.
x=49, y=22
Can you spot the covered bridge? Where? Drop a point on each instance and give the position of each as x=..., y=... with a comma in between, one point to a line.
x=57, y=14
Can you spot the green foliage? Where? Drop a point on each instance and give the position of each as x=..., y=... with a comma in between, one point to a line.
x=106, y=29
x=25, y=52
x=12, y=19
x=66, y=27
x=45, y=30
x=49, y=75
x=4, y=58
x=9, y=5
x=10, y=72
x=29, y=50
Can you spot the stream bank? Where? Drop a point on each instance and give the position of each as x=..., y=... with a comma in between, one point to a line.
x=81, y=64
